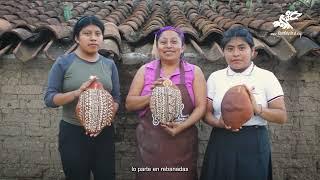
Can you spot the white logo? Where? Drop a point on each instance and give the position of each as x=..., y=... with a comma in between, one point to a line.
x=284, y=19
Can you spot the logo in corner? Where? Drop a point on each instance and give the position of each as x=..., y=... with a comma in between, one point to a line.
x=284, y=19
x=283, y=22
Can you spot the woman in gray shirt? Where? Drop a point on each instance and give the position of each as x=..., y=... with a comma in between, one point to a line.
x=82, y=153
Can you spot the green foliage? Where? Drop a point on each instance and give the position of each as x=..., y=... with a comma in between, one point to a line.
x=67, y=14
x=230, y=1
x=292, y=7
x=249, y=5
x=213, y=3
x=307, y=3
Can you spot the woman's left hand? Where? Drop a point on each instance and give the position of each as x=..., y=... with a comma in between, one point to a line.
x=274, y=112
x=256, y=107
x=172, y=128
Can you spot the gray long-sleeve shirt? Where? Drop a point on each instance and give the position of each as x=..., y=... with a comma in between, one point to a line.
x=70, y=71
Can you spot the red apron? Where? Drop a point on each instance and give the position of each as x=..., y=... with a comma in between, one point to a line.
x=161, y=156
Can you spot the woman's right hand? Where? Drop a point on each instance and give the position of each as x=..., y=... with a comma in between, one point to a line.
x=65, y=98
x=213, y=121
x=84, y=87
x=157, y=82
x=221, y=124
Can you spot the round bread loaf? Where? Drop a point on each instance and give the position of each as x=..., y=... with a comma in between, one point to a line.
x=95, y=108
x=236, y=107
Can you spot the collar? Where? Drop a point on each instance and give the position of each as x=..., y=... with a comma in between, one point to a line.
x=246, y=72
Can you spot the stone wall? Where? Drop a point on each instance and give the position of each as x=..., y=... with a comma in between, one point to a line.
x=28, y=130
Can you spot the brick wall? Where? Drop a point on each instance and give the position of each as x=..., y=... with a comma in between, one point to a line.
x=28, y=130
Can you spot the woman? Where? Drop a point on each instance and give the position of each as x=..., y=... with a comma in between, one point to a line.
x=243, y=153
x=83, y=153
x=171, y=147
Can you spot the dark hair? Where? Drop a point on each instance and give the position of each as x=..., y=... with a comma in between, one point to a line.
x=84, y=22
x=170, y=28
x=237, y=32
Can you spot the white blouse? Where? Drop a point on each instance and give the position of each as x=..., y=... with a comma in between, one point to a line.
x=266, y=88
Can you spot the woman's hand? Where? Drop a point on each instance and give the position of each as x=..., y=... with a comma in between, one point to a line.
x=257, y=108
x=172, y=128
x=157, y=82
x=65, y=98
x=221, y=124
x=84, y=86
x=212, y=120
x=274, y=112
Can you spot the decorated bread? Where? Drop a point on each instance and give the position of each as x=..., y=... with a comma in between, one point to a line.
x=166, y=103
x=95, y=108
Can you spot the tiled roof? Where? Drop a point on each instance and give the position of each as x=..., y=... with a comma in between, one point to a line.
x=29, y=27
